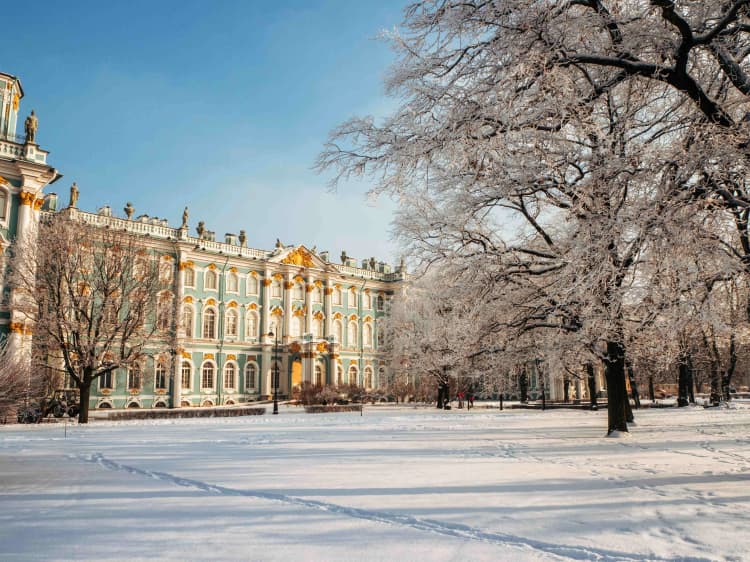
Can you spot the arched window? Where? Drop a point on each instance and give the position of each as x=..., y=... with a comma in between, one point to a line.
x=339, y=375
x=338, y=331
x=318, y=375
x=207, y=375
x=353, y=372
x=251, y=325
x=353, y=297
x=296, y=327
x=187, y=375
x=189, y=277
x=298, y=292
x=317, y=328
x=276, y=288
x=337, y=296
x=230, y=375
x=163, y=311
x=209, y=324
x=251, y=376
x=187, y=320
x=274, y=328
x=381, y=337
x=106, y=380
x=381, y=377
x=381, y=303
x=233, y=283
x=3, y=204
x=252, y=285
x=160, y=376
x=230, y=327
x=352, y=334
x=211, y=280
x=317, y=294
x=368, y=377
x=366, y=300
x=134, y=377
x=367, y=335
x=165, y=272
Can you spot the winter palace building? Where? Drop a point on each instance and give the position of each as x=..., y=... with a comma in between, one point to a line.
x=227, y=297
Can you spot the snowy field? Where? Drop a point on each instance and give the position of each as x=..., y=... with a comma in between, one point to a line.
x=397, y=484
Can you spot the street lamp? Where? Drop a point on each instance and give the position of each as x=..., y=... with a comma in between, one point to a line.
x=275, y=372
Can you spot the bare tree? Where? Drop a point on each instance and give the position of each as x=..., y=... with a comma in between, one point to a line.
x=17, y=385
x=553, y=140
x=93, y=295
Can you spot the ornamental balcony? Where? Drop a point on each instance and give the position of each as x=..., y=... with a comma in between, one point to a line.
x=14, y=147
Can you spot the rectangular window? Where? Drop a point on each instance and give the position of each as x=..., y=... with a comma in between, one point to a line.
x=105, y=380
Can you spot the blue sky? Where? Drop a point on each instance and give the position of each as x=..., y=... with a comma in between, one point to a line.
x=221, y=106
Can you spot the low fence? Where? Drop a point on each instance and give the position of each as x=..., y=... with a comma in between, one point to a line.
x=160, y=413
x=318, y=409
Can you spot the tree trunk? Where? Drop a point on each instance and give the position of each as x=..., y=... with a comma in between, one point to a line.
x=501, y=400
x=651, y=393
x=617, y=403
x=633, y=387
x=523, y=387
x=726, y=380
x=683, y=380
x=566, y=391
x=84, y=390
x=592, y=386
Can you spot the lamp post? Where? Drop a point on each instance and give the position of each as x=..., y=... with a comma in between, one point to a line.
x=275, y=372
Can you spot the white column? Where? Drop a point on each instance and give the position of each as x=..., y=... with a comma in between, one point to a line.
x=327, y=308
x=265, y=306
x=308, y=304
x=287, y=305
x=180, y=331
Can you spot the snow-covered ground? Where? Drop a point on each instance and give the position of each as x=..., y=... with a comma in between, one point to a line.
x=394, y=484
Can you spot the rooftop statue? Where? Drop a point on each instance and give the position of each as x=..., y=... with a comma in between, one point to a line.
x=30, y=126
x=73, y=195
x=184, y=218
x=129, y=210
x=200, y=229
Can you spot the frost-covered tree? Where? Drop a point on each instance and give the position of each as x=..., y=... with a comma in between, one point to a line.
x=553, y=140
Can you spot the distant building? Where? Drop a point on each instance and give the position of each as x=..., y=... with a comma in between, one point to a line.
x=232, y=304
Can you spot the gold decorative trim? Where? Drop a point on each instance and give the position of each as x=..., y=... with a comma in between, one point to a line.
x=188, y=299
x=367, y=319
x=267, y=282
x=3, y=181
x=253, y=273
x=16, y=327
x=212, y=266
x=299, y=279
x=186, y=355
x=208, y=356
x=277, y=312
x=186, y=265
x=299, y=256
x=318, y=315
x=210, y=302
x=27, y=198
x=105, y=391
x=167, y=257
x=231, y=357
x=233, y=270
x=353, y=317
x=318, y=283
x=309, y=288
x=278, y=276
x=288, y=285
x=322, y=347
x=299, y=312
x=294, y=347
x=252, y=306
x=329, y=291
x=337, y=316
x=38, y=204
x=232, y=304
